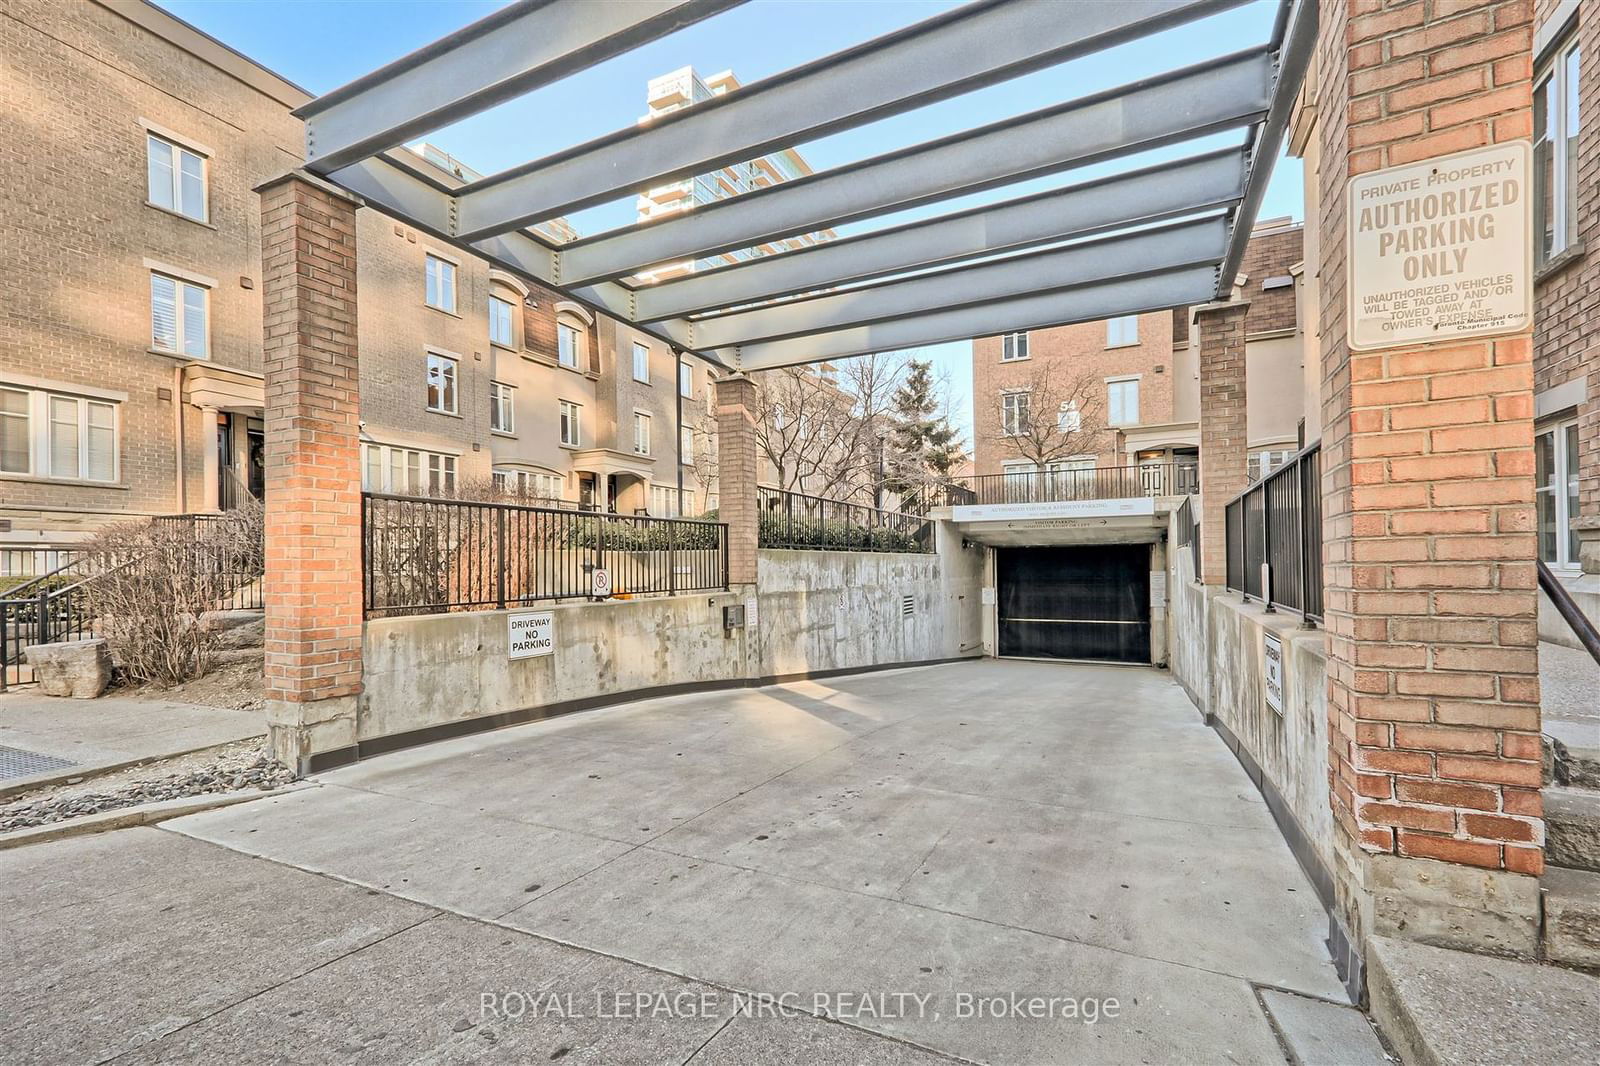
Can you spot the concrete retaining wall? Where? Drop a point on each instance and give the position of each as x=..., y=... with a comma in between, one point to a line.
x=1218, y=656
x=815, y=612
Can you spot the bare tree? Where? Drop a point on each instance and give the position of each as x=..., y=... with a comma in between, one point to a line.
x=821, y=434
x=1053, y=414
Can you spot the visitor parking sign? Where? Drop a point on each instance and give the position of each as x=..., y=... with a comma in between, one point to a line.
x=1441, y=250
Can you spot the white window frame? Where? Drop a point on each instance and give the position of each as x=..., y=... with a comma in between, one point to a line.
x=26, y=417
x=1068, y=418
x=1115, y=410
x=502, y=407
x=641, y=433
x=1122, y=331
x=496, y=303
x=38, y=419
x=686, y=445
x=183, y=326
x=436, y=272
x=403, y=471
x=1014, y=347
x=1556, y=137
x=685, y=379
x=1562, y=486
x=569, y=345
x=1015, y=406
x=641, y=362
x=570, y=423
x=446, y=369
x=664, y=501
x=174, y=182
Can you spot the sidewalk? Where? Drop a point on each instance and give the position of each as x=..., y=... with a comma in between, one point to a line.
x=45, y=739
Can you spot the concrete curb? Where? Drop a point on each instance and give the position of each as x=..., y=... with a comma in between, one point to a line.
x=81, y=774
x=140, y=814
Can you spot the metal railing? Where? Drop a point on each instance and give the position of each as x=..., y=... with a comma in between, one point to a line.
x=1189, y=532
x=1570, y=612
x=60, y=605
x=427, y=556
x=1278, y=522
x=1087, y=483
x=795, y=520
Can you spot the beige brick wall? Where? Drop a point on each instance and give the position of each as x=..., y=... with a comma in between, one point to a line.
x=77, y=80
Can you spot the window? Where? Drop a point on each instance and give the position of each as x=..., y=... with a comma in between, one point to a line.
x=500, y=323
x=664, y=501
x=178, y=316
x=1555, y=452
x=406, y=471
x=641, y=362
x=530, y=484
x=571, y=424
x=441, y=384
x=1068, y=418
x=641, y=433
x=1264, y=462
x=16, y=452
x=177, y=178
x=60, y=436
x=1122, y=402
x=569, y=342
x=1556, y=124
x=686, y=380
x=502, y=415
x=1013, y=346
x=1014, y=413
x=1123, y=331
x=441, y=284
x=686, y=446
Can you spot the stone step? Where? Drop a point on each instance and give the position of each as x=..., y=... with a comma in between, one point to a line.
x=1572, y=827
x=1571, y=917
x=1572, y=754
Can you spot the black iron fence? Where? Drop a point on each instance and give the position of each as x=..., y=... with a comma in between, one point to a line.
x=795, y=520
x=1278, y=522
x=1063, y=483
x=426, y=556
x=1189, y=532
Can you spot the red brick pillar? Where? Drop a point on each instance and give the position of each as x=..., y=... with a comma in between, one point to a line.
x=313, y=473
x=738, y=469
x=1433, y=687
x=1224, y=435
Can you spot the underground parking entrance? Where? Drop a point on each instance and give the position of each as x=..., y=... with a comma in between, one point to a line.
x=1089, y=602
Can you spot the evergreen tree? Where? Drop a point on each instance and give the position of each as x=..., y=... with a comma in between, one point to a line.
x=923, y=446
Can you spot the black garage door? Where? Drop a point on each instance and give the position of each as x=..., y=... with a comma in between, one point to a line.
x=1075, y=603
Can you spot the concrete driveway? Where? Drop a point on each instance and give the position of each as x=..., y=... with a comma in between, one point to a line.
x=917, y=854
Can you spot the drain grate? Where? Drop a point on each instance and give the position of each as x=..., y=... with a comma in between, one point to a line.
x=15, y=762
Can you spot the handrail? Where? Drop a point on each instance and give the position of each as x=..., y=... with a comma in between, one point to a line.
x=1570, y=612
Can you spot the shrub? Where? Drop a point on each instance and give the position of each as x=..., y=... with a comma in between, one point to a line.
x=154, y=583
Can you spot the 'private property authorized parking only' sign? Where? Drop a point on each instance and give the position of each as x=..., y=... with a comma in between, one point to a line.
x=1441, y=250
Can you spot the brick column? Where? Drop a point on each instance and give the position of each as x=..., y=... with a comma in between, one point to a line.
x=738, y=469
x=1433, y=687
x=1224, y=435
x=313, y=473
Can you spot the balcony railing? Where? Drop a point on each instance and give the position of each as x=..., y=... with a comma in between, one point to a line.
x=795, y=520
x=1089, y=483
x=1278, y=522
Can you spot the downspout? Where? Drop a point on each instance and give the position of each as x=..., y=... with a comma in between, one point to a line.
x=677, y=392
x=177, y=422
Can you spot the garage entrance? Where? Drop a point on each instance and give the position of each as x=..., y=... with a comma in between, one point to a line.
x=1086, y=602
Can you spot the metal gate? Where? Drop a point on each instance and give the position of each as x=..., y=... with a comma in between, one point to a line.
x=1090, y=602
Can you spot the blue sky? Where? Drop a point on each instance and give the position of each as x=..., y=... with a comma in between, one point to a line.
x=321, y=44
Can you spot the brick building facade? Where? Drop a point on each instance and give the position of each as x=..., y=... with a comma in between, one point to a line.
x=131, y=365
x=1141, y=375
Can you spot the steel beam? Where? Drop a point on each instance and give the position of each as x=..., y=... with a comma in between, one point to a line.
x=1168, y=190
x=1217, y=95
x=1126, y=296
x=976, y=45
x=1294, y=51
x=1164, y=248
x=511, y=52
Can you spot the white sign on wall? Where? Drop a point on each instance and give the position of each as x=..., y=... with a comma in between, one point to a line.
x=1274, y=672
x=750, y=612
x=601, y=581
x=1142, y=505
x=530, y=633
x=1441, y=250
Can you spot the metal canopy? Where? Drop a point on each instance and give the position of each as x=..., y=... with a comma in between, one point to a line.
x=1071, y=254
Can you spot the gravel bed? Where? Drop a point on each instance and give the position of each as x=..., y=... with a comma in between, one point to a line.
x=232, y=769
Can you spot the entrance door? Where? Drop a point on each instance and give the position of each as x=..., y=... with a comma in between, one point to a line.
x=1086, y=602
